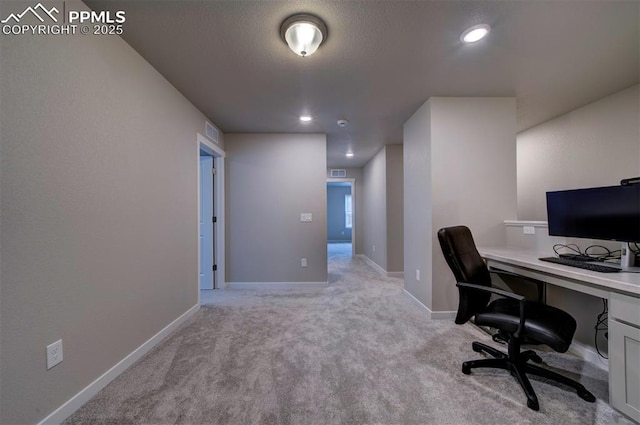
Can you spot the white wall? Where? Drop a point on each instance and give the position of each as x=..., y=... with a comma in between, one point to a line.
x=460, y=168
x=272, y=179
x=596, y=145
x=98, y=211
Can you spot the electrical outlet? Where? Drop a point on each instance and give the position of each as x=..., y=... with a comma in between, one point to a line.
x=54, y=354
x=306, y=217
x=417, y=274
x=303, y=262
x=529, y=230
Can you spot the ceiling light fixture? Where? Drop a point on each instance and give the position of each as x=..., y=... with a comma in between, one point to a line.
x=349, y=154
x=303, y=33
x=475, y=33
x=305, y=118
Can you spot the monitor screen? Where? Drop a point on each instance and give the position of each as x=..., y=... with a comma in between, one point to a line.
x=607, y=213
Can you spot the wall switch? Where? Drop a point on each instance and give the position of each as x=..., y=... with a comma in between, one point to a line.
x=529, y=230
x=303, y=262
x=374, y=248
x=54, y=354
x=417, y=274
x=306, y=217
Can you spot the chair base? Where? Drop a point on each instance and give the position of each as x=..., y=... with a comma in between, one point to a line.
x=516, y=363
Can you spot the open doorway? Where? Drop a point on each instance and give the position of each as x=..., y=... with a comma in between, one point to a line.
x=211, y=237
x=341, y=222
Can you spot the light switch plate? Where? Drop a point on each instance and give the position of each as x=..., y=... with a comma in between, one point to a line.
x=306, y=217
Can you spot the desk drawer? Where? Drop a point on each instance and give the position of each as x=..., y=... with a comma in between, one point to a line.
x=625, y=309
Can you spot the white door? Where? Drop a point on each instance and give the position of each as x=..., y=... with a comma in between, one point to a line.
x=206, y=222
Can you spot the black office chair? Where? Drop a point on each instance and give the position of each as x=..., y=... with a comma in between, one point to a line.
x=516, y=317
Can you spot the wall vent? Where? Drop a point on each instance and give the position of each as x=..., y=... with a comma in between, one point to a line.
x=211, y=132
x=338, y=173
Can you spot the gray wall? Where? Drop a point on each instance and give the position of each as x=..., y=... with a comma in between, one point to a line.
x=356, y=173
x=336, y=230
x=374, y=175
x=418, y=211
x=596, y=145
x=460, y=168
x=383, y=209
x=395, y=209
x=98, y=211
x=272, y=179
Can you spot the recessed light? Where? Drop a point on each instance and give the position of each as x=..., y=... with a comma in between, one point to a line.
x=349, y=154
x=305, y=118
x=475, y=33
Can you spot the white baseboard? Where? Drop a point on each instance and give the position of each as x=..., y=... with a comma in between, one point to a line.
x=588, y=354
x=379, y=268
x=436, y=315
x=276, y=285
x=75, y=402
x=373, y=264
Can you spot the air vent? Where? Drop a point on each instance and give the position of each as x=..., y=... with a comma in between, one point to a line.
x=338, y=173
x=211, y=132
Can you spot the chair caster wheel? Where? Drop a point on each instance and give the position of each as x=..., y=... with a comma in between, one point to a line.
x=533, y=405
x=466, y=369
x=586, y=396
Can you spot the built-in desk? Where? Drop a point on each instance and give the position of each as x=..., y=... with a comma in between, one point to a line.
x=623, y=292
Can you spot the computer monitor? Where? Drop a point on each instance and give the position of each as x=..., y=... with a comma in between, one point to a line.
x=606, y=213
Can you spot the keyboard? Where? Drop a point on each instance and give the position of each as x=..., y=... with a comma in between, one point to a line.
x=580, y=264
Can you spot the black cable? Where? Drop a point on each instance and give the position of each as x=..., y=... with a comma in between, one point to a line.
x=572, y=247
x=607, y=256
x=599, y=256
x=601, y=325
x=635, y=250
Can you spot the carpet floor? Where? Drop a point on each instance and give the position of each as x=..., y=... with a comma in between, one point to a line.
x=356, y=352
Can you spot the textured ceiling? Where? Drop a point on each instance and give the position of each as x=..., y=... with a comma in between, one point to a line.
x=382, y=60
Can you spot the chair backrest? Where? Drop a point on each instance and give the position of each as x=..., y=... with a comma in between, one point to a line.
x=466, y=264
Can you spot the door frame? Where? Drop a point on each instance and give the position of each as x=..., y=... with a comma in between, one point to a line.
x=353, y=207
x=207, y=227
x=203, y=143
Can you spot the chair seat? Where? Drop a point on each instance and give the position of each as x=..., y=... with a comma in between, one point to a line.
x=544, y=323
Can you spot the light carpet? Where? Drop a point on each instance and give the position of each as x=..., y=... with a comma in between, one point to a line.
x=356, y=352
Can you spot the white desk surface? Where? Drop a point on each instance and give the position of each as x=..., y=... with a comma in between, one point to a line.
x=626, y=283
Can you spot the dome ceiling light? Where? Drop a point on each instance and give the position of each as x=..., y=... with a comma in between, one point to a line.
x=303, y=33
